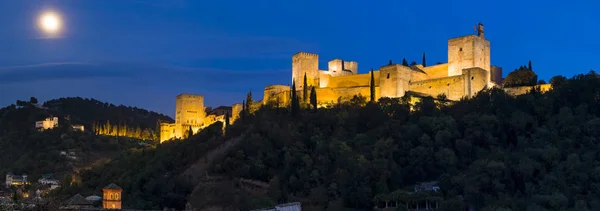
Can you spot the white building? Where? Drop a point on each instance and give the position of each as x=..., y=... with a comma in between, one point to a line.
x=294, y=206
x=48, y=181
x=15, y=180
x=46, y=124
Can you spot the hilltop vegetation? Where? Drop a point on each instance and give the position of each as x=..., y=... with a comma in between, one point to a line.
x=150, y=177
x=23, y=150
x=493, y=152
x=108, y=119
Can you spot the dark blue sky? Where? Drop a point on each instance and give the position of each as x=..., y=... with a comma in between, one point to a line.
x=143, y=53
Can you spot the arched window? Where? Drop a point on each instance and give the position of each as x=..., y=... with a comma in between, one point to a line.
x=388, y=75
x=112, y=196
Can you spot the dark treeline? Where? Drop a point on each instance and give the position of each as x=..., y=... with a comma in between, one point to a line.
x=90, y=111
x=537, y=151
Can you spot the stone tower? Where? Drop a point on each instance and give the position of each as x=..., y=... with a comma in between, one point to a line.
x=468, y=51
x=394, y=80
x=308, y=63
x=112, y=197
x=189, y=112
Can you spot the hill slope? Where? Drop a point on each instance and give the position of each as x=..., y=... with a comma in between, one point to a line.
x=531, y=152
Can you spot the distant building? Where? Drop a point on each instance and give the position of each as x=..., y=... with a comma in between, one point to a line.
x=77, y=202
x=78, y=128
x=427, y=186
x=16, y=180
x=294, y=206
x=47, y=179
x=48, y=123
x=112, y=197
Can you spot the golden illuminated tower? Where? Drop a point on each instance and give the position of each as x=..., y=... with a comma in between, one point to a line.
x=111, y=197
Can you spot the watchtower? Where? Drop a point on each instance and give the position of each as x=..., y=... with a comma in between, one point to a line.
x=305, y=63
x=112, y=197
x=468, y=51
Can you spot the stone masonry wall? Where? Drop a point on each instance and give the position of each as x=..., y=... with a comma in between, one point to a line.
x=305, y=63
x=452, y=87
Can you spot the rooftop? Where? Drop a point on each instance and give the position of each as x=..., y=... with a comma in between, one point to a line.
x=112, y=186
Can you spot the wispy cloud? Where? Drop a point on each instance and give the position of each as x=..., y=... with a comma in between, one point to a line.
x=47, y=64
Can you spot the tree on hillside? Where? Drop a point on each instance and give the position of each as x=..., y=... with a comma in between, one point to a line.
x=413, y=63
x=404, y=62
x=313, y=98
x=227, y=116
x=33, y=100
x=295, y=102
x=529, y=66
x=520, y=77
x=372, y=86
x=424, y=64
x=190, y=132
x=249, y=102
x=557, y=81
x=244, y=110
x=305, y=91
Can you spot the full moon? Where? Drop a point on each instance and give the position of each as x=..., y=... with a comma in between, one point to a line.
x=50, y=22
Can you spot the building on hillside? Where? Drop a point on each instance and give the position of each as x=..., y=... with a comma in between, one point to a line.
x=112, y=196
x=190, y=112
x=47, y=179
x=427, y=186
x=294, y=206
x=16, y=180
x=78, y=128
x=467, y=71
x=48, y=123
x=77, y=202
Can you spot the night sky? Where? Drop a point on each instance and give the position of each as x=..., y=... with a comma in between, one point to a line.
x=143, y=53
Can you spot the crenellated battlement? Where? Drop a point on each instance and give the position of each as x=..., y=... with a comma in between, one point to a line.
x=302, y=53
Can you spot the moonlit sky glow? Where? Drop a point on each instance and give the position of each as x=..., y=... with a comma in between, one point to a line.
x=145, y=52
x=50, y=22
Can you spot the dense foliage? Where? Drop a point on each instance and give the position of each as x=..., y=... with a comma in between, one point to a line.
x=23, y=150
x=493, y=152
x=150, y=176
x=524, y=76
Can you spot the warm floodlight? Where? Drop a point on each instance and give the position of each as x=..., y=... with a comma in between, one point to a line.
x=50, y=22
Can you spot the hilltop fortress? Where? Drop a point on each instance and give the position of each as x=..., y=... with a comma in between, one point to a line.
x=190, y=113
x=467, y=72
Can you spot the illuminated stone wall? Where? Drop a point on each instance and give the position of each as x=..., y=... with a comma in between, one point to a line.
x=394, y=80
x=452, y=87
x=271, y=95
x=305, y=63
x=525, y=89
x=236, y=109
x=468, y=51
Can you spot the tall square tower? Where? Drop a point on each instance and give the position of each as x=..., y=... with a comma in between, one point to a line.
x=468, y=51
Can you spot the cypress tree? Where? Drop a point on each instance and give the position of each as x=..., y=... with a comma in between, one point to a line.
x=404, y=62
x=304, y=91
x=424, y=64
x=313, y=98
x=530, y=65
x=243, y=112
x=249, y=102
x=190, y=132
x=372, y=86
x=295, y=103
